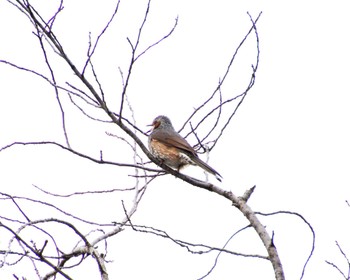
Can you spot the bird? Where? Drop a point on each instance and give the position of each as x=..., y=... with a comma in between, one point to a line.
x=172, y=149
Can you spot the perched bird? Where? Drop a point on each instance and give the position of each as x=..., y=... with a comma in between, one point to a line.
x=172, y=149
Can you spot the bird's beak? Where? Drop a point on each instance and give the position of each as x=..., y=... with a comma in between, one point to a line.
x=150, y=129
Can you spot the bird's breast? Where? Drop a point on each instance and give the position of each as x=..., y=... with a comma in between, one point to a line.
x=171, y=156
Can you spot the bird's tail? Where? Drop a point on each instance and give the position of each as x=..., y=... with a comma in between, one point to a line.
x=207, y=168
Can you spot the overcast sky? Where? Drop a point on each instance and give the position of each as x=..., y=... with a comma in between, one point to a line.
x=290, y=137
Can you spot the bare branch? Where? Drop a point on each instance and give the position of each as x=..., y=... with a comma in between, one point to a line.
x=36, y=253
x=83, y=193
x=53, y=78
x=78, y=154
x=135, y=57
x=217, y=257
x=160, y=40
x=193, y=247
x=227, y=71
x=307, y=223
x=52, y=206
x=132, y=61
x=252, y=80
x=91, y=50
x=347, y=276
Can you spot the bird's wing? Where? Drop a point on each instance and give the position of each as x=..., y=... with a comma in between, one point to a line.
x=174, y=140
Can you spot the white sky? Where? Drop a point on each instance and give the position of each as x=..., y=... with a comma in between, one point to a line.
x=290, y=137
